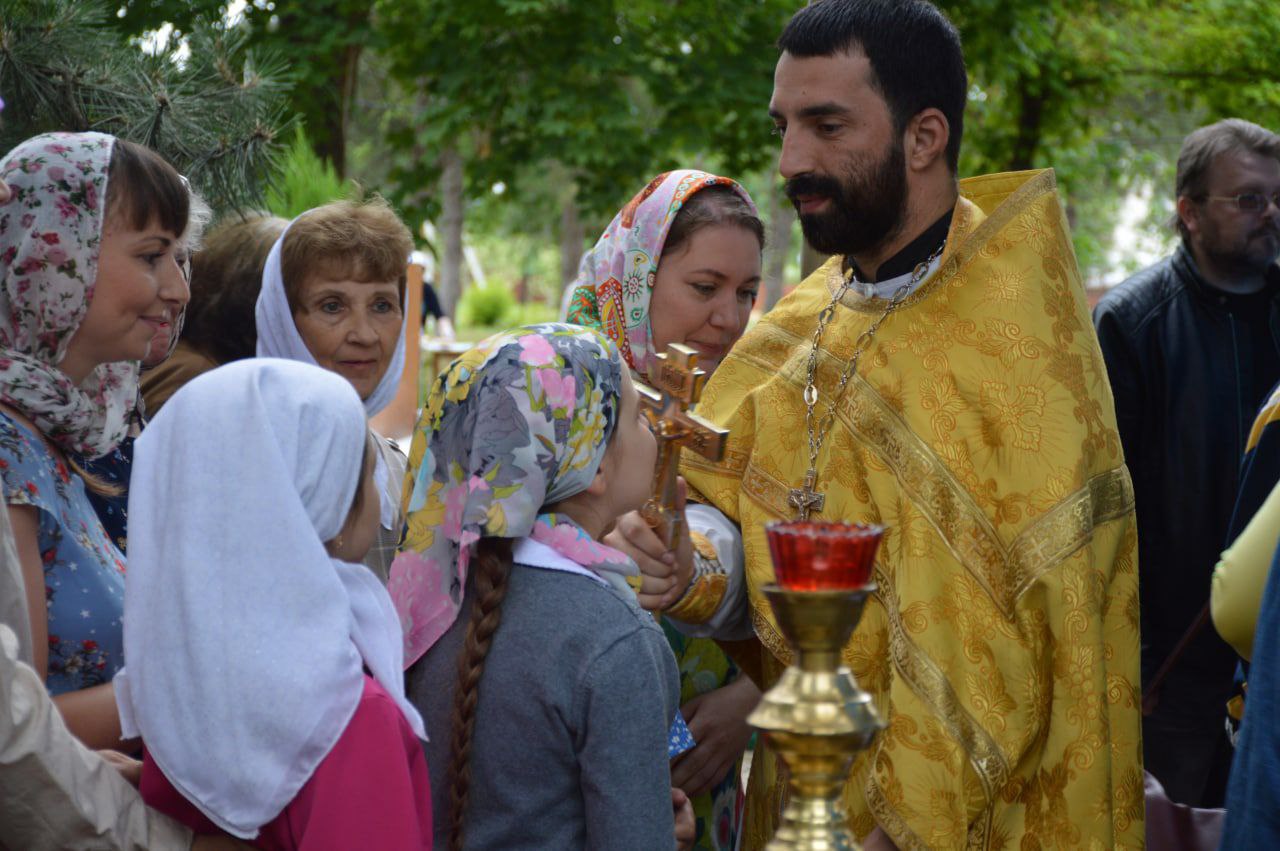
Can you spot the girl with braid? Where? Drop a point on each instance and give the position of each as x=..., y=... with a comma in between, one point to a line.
x=551, y=699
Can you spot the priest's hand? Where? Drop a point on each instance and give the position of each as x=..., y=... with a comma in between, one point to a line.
x=718, y=722
x=664, y=574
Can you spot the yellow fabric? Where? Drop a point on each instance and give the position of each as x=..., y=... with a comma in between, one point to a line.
x=1269, y=414
x=1241, y=577
x=1003, y=641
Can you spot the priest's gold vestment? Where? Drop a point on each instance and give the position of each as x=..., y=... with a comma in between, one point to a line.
x=1002, y=643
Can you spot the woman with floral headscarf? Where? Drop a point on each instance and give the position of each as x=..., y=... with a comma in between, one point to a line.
x=681, y=264
x=87, y=274
x=550, y=701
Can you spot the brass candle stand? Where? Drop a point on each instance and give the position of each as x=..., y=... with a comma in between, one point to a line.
x=816, y=718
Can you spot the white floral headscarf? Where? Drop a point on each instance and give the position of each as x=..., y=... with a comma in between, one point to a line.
x=50, y=235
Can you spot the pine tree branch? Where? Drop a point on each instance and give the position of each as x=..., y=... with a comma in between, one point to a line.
x=217, y=115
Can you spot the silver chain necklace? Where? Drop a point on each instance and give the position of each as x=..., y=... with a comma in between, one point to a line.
x=807, y=499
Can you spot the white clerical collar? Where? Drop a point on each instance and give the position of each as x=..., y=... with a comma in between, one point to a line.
x=531, y=553
x=888, y=288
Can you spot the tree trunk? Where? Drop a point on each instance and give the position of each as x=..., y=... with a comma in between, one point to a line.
x=451, y=202
x=782, y=217
x=810, y=260
x=1031, y=107
x=571, y=239
x=326, y=103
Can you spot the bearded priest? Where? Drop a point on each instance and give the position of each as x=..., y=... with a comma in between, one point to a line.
x=939, y=375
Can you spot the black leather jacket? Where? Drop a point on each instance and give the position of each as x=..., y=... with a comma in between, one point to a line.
x=1189, y=366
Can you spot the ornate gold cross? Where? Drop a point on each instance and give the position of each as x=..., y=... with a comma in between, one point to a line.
x=806, y=499
x=677, y=386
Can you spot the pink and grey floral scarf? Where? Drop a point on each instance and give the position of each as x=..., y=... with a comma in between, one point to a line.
x=519, y=422
x=50, y=235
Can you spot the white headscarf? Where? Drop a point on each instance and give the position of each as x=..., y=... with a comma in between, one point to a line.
x=245, y=640
x=278, y=337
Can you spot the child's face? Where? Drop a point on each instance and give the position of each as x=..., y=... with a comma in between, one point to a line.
x=633, y=451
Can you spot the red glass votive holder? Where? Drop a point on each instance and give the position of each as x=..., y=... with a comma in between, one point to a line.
x=819, y=556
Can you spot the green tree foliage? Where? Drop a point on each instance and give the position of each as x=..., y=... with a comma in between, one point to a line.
x=611, y=91
x=1105, y=90
x=487, y=306
x=305, y=181
x=216, y=115
x=320, y=41
x=573, y=104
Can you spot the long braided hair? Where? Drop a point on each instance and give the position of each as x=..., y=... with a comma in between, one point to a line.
x=491, y=568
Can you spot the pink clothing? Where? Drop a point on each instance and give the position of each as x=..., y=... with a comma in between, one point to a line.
x=371, y=790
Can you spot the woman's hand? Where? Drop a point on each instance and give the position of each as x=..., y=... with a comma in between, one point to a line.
x=128, y=767
x=686, y=824
x=718, y=721
x=218, y=843
x=878, y=840
x=664, y=575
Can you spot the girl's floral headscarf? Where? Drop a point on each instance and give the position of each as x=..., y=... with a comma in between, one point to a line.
x=519, y=422
x=615, y=279
x=50, y=235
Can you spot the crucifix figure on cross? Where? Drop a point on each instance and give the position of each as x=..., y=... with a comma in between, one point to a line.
x=806, y=500
x=677, y=386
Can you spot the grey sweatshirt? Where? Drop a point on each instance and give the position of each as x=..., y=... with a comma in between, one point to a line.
x=570, y=744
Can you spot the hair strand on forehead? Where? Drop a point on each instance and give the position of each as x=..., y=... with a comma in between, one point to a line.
x=143, y=190
x=345, y=240
x=715, y=205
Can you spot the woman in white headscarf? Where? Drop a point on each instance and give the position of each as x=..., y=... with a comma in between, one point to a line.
x=333, y=294
x=264, y=667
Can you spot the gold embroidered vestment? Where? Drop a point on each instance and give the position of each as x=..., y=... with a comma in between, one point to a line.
x=1002, y=644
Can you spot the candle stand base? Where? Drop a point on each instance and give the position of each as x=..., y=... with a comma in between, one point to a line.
x=816, y=718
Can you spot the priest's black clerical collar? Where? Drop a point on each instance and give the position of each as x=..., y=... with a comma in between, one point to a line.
x=912, y=254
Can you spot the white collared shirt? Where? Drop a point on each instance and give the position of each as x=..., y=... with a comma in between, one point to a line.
x=888, y=288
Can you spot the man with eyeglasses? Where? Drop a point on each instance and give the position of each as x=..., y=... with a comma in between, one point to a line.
x=1192, y=347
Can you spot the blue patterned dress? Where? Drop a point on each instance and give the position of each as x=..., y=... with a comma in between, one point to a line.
x=83, y=571
x=114, y=468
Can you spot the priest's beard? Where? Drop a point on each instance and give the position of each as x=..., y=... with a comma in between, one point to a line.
x=867, y=205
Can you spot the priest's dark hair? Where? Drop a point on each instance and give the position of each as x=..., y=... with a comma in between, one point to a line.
x=915, y=54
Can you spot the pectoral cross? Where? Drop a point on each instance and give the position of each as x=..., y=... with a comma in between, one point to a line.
x=677, y=386
x=805, y=500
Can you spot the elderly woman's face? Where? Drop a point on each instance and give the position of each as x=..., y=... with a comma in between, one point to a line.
x=351, y=327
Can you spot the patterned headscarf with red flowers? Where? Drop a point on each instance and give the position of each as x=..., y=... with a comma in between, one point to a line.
x=615, y=278
x=50, y=236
